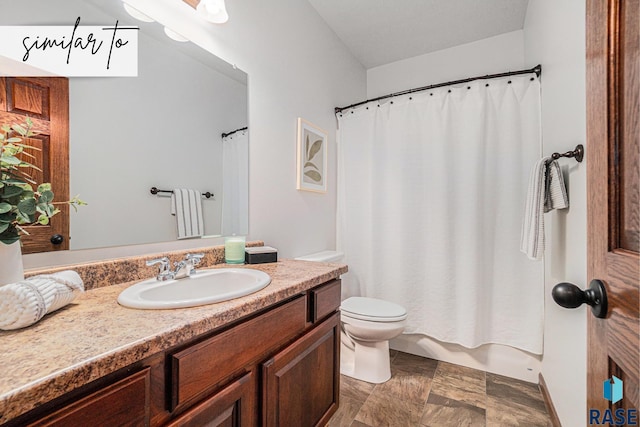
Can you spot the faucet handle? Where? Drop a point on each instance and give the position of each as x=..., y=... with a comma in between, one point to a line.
x=164, y=262
x=165, y=268
x=194, y=258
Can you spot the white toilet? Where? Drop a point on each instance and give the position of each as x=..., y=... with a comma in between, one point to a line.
x=367, y=326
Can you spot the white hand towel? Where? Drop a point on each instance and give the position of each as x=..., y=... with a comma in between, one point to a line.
x=546, y=192
x=24, y=303
x=186, y=205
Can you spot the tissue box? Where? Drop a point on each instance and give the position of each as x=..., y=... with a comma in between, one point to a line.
x=260, y=255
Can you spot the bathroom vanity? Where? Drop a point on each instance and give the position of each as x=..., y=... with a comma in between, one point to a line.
x=270, y=358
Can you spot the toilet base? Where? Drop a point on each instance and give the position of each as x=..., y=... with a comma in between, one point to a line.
x=365, y=361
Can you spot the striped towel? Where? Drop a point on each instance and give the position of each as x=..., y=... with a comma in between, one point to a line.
x=186, y=205
x=546, y=192
x=24, y=303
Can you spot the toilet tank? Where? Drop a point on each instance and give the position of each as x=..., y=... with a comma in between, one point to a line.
x=324, y=256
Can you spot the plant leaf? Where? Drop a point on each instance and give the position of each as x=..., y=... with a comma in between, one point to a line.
x=306, y=145
x=45, y=196
x=314, y=175
x=5, y=207
x=314, y=149
x=27, y=206
x=43, y=220
x=11, y=160
x=22, y=131
x=45, y=209
x=29, y=147
x=309, y=164
x=23, y=218
x=11, y=191
x=45, y=186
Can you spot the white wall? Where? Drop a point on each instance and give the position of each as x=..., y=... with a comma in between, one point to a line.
x=297, y=68
x=492, y=55
x=555, y=37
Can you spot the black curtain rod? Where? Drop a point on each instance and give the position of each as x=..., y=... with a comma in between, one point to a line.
x=224, y=135
x=537, y=69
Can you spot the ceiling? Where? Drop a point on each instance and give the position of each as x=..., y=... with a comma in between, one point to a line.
x=378, y=32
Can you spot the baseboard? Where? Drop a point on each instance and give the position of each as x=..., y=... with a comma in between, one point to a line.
x=555, y=421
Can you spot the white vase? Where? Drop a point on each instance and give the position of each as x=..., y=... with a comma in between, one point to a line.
x=11, y=270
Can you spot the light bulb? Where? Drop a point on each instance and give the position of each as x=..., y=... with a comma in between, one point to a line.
x=175, y=36
x=135, y=13
x=213, y=11
x=213, y=7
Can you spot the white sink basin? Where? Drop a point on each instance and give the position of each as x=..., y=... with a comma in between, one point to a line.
x=204, y=287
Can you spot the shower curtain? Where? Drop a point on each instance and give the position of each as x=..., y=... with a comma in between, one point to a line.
x=431, y=195
x=235, y=184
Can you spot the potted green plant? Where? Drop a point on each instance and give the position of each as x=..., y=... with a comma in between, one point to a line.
x=20, y=203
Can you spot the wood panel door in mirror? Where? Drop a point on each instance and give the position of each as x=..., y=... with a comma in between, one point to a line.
x=46, y=101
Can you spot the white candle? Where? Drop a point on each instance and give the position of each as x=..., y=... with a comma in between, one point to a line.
x=234, y=249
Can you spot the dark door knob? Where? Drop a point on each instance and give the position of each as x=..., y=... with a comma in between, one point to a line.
x=56, y=239
x=569, y=295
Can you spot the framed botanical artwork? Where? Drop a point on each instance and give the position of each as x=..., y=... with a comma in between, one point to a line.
x=312, y=157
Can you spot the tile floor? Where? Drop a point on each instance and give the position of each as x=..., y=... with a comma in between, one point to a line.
x=428, y=393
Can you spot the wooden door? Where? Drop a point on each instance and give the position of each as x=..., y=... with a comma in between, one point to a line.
x=613, y=133
x=46, y=102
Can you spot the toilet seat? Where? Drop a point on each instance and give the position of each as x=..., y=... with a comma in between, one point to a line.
x=372, y=309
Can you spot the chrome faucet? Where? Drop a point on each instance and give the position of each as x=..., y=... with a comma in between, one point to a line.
x=187, y=267
x=184, y=268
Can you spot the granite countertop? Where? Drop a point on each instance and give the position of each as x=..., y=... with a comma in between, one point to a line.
x=94, y=335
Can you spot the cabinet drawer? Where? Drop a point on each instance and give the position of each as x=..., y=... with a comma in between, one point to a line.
x=124, y=403
x=324, y=300
x=199, y=368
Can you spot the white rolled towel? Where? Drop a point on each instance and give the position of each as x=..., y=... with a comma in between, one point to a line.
x=24, y=303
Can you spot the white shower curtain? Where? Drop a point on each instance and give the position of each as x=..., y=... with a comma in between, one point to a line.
x=431, y=193
x=235, y=184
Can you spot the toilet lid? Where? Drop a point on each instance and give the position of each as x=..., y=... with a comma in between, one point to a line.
x=372, y=309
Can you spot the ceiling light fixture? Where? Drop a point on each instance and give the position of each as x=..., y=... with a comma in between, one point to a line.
x=135, y=13
x=213, y=11
x=175, y=36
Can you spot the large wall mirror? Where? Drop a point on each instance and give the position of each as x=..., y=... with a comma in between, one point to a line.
x=160, y=129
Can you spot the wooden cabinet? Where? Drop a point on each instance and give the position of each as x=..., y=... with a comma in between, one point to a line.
x=278, y=367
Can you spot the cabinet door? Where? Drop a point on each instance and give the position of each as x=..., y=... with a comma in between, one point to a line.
x=233, y=406
x=300, y=385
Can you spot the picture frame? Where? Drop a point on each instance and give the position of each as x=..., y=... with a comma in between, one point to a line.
x=312, y=157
